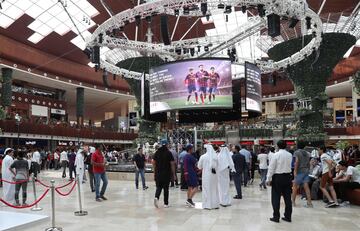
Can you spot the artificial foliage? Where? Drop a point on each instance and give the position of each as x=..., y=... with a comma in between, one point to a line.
x=309, y=78
x=356, y=81
x=149, y=131
x=211, y=134
x=6, y=92
x=255, y=132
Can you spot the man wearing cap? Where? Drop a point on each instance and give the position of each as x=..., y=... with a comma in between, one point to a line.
x=8, y=175
x=190, y=172
x=164, y=171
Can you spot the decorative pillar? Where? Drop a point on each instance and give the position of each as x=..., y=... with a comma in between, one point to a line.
x=6, y=92
x=80, y=99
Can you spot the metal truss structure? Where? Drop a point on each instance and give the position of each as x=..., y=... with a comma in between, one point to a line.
x=288, y=8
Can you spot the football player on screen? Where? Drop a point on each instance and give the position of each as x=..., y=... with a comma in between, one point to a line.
x=214, y=82
x=190, y=82
x=202, y=79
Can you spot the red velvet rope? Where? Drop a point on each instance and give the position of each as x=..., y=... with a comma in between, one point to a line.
x=27, y=206
x=14, y=182
x=68, y=193
x=43, y=184
x=59, y=187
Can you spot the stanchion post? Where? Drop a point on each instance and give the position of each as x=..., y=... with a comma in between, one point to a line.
x=53, y=228
x=80, y=212
x=36, y=208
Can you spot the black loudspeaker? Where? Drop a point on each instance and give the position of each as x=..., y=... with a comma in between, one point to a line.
x=273, y=25
x=95, y=55
x=105, y=79
x=164, y=29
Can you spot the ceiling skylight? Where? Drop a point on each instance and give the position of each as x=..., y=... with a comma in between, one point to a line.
x=49, y=16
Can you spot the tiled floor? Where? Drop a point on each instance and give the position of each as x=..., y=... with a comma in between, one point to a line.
x=131, y=209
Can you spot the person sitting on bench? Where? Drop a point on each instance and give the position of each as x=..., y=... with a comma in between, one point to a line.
x=350, y=181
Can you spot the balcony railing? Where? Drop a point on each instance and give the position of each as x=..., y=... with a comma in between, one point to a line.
x=10, y=126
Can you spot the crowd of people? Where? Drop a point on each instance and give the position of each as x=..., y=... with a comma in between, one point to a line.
x=319, y=173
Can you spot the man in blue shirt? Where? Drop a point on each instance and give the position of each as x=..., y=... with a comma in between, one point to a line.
x=190, y=172
x=181, y=162
x=247, y=156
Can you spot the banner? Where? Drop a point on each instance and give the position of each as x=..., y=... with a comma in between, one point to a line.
x=253, y=88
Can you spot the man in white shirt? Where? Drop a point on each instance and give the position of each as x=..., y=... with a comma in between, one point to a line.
x=64, y=162
x=263, y=166
x=350, y=181
x=36, y=162
x=279, y=177
x=327, y=178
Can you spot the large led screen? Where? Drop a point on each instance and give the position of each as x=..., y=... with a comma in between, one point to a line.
x=253, y=87
x=191, y=84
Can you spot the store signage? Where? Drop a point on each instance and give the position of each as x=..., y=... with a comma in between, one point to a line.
x=304, y=103
x=57, y=111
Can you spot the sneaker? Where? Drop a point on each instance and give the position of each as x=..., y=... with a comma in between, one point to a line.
x=156, y=203
x=309, y=205
x=190, y=203
x=104, y=198
x=166, y=206
x=25, y=204
x=330, y=204
x=276, y=220
x=17, y=204
x=146, y=187
x=98, y=199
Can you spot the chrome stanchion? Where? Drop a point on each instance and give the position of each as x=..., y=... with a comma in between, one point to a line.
x=36, y=207
x=80, y=212
x=53, y=228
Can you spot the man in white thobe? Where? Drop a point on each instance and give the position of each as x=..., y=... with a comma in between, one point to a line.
x=225, y=164
x=80, y=166
x=208, y=163
x=8, y=189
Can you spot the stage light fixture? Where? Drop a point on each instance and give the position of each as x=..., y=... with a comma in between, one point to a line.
x=177, y=12
x=178, y=50
x=204, y=8
x=114, y=76
x=243, y=9
x=206, y=48
x=308, y=23
x=261, y=10
x=166, y=60
x=185, y=50
x=221, y=6
x=199, y=48
x=121, y=29
x=186, y=10
x=148, y=19
x=226, y=18
x=192, y=51
x=228, y=9
x=293, y=22
x=137, y=20
x=101, y=38
x=207, y=17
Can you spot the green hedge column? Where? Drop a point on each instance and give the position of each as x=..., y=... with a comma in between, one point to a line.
x=80, y=105
x=309, y=78
x=6, y=92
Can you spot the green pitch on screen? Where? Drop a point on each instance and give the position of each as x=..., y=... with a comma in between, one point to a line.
x=221, y=101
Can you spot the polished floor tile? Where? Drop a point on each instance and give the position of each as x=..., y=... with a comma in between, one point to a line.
x=131, y=209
